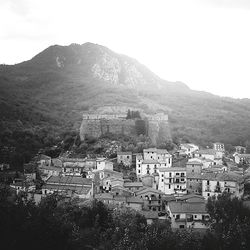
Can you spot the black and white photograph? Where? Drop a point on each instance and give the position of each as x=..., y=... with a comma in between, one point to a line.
x=125, y=124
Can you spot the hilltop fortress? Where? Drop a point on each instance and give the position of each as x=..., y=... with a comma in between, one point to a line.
x=96, y=125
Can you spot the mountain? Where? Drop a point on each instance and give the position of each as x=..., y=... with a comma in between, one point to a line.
x=53, y=89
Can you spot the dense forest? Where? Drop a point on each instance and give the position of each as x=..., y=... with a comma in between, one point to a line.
x=58, y=224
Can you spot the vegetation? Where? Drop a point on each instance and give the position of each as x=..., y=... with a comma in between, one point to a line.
x=58, y=224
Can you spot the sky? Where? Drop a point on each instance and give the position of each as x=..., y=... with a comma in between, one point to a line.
x=203, y=43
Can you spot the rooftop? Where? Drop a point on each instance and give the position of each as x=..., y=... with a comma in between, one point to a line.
x=172, y=169
x=226, y=176
x=133, y=199
x=133, y=184
x=124, y=153
x=69, y=180
x=194, y=163
x=189, y=208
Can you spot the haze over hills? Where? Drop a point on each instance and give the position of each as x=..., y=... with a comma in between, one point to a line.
x=57, y=85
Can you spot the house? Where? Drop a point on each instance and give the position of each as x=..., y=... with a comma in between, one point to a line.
x=4, y=166
x=188, y=149
x=21, y=185
x=71, y=186
x=173, y=180
x=159, y=155
x=148, y=166
x=194, y=183
x=103, y=163
x=133, y=186
x=107, y=173
x=240, y=150
x=43, y=160
x=215, y=169
x=125, y=158
x=108, y=182
x=151, y=216
x=46, y=171
x=218, y=146
x=153, y=199
x=242, y=158
x=135, y=203
x=209, y=154
x=188, y=214
x=217, y=183
x=194, y=167
x=151, y=161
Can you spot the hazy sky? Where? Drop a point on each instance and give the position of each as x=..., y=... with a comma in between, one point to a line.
x=204, y=43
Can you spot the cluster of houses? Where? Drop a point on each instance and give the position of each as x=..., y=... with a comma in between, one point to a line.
x=161, y=191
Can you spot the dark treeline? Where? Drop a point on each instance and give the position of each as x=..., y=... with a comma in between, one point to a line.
x=54, y=224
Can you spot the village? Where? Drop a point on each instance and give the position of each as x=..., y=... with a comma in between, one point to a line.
x=158, y=184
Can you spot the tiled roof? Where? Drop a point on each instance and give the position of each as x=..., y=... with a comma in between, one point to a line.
x=150, y=149
x=189, y=196
x=69, y=180
x=133, y=184
x=189, y=208
x=194, y=175
x=172, y=169
x=206, y=151
x=133, y=199
x=147, y=190
x=226, y=176
x=124, y=153
x=43, y=157
x=194, y=163
x=162, y=151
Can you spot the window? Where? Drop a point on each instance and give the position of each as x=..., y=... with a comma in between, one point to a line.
x=195, y=216
x=162, y=175
x=208, y=194
x=169, y=186
x=147, y=171
x=170, y=174
x=165, y=164
x=177, y=173
x=207, y=182
x=128, y=157
x=192, y=170
x=139, y=171
x=181, y=226
x=162, y=180
x=182, y=179
x=169, y=161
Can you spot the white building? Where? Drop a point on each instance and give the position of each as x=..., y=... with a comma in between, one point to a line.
x=217, y=183
x=173, y=180
x=152, y=161
x=188, y=149
x=103, y=163
x=218, y=146
x=188, y=215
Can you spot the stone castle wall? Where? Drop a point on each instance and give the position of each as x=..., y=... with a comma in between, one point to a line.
x=97, y=125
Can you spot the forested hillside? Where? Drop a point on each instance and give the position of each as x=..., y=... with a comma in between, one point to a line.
x=47, y=95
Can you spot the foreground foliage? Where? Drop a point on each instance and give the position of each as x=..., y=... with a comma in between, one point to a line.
x=56, y=224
